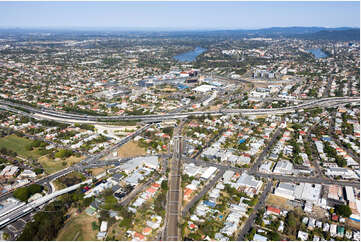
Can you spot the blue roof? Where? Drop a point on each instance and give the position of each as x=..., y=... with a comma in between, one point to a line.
x=209, y=203
x=326, y=138
x=241, y=141
x=180, y=86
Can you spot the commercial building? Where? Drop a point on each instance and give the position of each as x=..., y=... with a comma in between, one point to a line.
x=208, y=173
x=286, y=190
x=283, y=167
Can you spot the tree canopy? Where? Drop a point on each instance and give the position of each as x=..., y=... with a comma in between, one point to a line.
x=343, y=210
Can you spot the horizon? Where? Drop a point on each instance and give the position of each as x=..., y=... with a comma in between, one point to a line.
x=182, y=16
x=163, y=29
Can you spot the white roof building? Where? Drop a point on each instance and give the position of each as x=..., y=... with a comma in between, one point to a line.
x=204, y=88
x=266, y=167
x=283, y=167
x=343, y=172
x=209, y=172
x=285, y=190
x=249, y=181
x=104, y=226
x=227, y=176
x=258, y=237
x=333, y=230
x=308, y=191
x=148, y=161
x=28, y=173
x=302, y=235
x=350, y=194
x=191, y=169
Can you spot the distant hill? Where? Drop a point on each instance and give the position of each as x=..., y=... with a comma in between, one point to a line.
x=311, y=33
x=294, y=30
x=336, y=35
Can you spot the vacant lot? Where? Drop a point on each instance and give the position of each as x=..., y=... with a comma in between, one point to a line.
x=278, y=202
x=18, y=145
x=79, y=228
x=51, y=166
x=130, y=149
x=97, y=171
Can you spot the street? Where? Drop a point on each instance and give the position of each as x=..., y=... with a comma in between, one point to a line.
x=261, y=203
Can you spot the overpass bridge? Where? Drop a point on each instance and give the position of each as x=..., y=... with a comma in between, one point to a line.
x=76, y=118
x=25, y=209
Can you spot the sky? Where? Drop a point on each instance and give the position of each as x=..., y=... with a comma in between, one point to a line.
x=178, y=15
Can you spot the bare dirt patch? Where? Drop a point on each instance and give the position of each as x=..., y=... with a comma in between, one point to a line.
x=130, y=149
x=97, y=171
x=279, y=202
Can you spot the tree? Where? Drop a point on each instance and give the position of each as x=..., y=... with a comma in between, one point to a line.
x=38, y=171
x=164, y=185
x=291, y=223
x=343, y=210
x=23, y=193
x=274, y=236
x=63, y=153
x=35, y=188
x=95, y=226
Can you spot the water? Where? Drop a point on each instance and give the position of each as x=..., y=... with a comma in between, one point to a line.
x=318, y=53
x=190, y=55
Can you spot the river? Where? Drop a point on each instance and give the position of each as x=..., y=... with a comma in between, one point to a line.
x=190, y=55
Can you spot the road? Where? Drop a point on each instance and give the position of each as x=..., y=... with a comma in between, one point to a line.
x=260, y=204
x=88, y=162
x=128, y=198
x=204, y=190
x=285, y=178
x=76, y=118
x=261, y=157
x=25, y=209
x=315, y=158
x=42, y=181
x=332, y=133
x=316, y=180
x=209, y=143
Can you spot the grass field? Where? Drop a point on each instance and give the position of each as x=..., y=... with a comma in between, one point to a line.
x=51, y=166
x=130, y=149
x=58, y=185
x=81, y=224
x=18, y=144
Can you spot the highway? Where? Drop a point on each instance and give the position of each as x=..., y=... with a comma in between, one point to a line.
x=42, y=181
x=76, y=118
x=28, y=208
x=89, y=162
x=86, y=163
x=174, y=194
